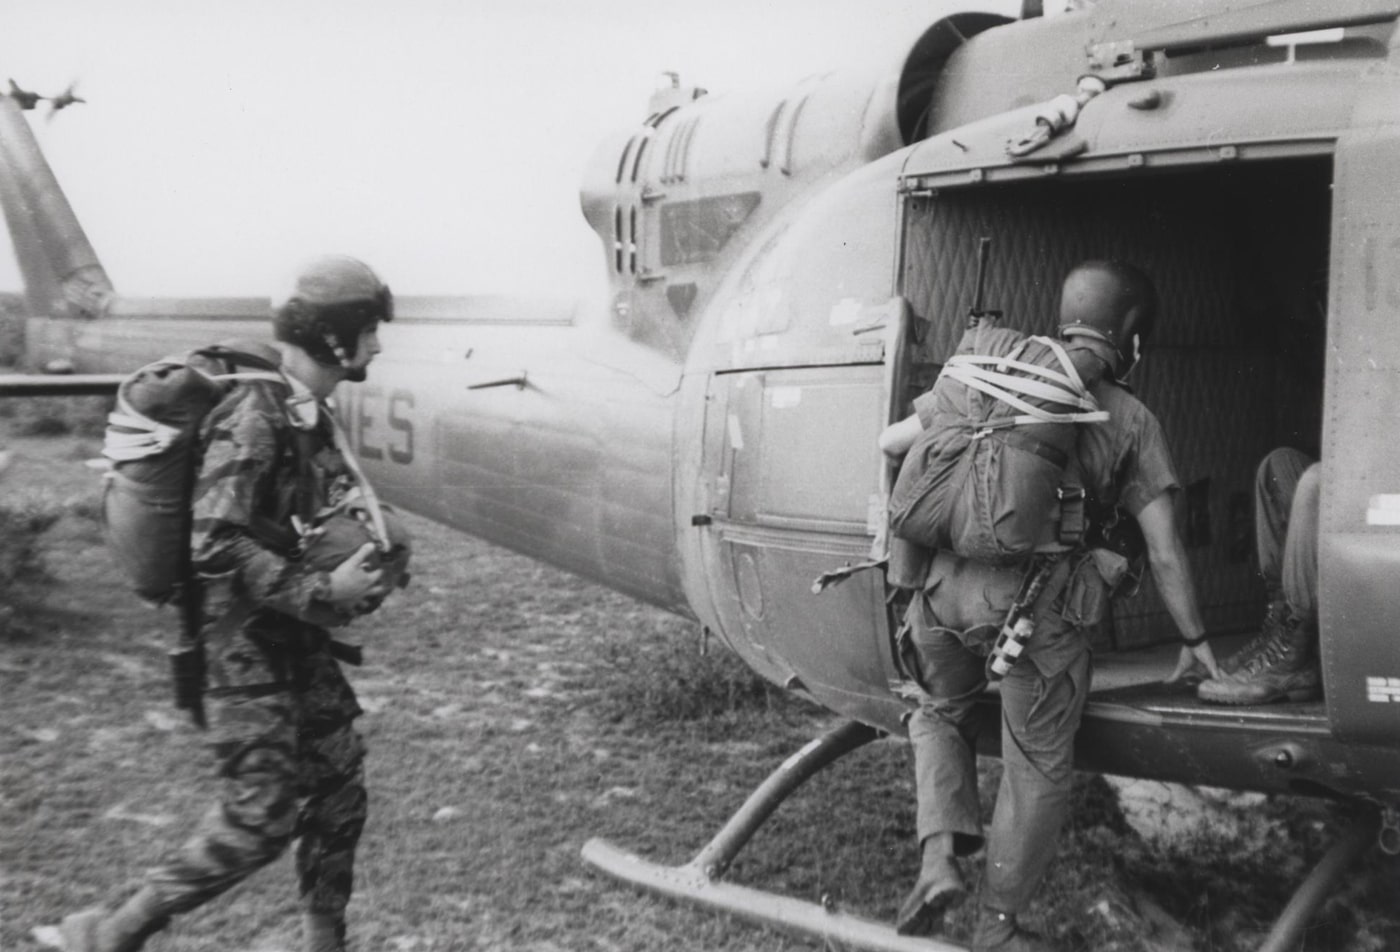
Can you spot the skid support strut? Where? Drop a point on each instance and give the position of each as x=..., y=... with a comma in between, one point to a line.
x=697, y=882
x=1287, y=933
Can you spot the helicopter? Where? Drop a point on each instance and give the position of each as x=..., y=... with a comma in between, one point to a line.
x=786, y=272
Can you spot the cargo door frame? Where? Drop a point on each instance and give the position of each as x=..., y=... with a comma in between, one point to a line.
x=980, y=163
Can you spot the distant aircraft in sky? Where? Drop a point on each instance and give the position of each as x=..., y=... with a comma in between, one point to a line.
x=23, y=98
x=64, y=99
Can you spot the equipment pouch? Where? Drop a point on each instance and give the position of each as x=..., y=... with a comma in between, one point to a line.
x=1086, y=594
x=1112, y=566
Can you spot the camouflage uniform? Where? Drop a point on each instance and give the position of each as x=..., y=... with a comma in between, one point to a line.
x=281, y=710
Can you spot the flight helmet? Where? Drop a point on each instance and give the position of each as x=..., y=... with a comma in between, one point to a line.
x=1112, y=302
x=332, y=301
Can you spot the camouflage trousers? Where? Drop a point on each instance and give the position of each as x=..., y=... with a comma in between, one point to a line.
x=291, y=767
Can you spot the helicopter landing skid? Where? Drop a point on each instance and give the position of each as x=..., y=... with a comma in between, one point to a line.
x=698, y=881
x=1287, y=932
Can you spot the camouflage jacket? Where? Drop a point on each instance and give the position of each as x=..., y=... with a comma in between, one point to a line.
x=252, y=480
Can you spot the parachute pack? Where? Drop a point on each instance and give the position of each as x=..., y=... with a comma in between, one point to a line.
x=152, y=441
x=988, y=471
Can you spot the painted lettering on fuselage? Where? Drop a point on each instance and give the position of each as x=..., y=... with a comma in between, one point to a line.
x=380, y=425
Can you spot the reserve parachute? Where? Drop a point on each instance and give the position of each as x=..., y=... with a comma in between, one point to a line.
x=341, y=532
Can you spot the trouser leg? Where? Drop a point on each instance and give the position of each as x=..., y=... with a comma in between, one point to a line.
x=945, y=772
x=1281, y=663
x=1275, y=486
x=331, y=822
x=1299, y=558
x=942, y=734
x=251, y=826
x=333, y=814
x=1040, y=717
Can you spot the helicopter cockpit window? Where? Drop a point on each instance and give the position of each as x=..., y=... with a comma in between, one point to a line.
x=696, y=231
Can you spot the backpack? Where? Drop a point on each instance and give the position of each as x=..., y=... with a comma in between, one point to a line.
x=985, y=477
x=152, y=440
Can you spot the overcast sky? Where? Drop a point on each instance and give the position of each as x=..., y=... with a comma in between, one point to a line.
x=441, y=140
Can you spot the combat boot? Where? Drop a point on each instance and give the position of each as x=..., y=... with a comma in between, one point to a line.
x=998, y=932
x=99, y=929
x=939, y=888
x=1284, y=668
x=1274, y=617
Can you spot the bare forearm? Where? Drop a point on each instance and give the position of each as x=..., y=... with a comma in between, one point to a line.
x=1170, y=567
x=896, y=438
x=1178, y=591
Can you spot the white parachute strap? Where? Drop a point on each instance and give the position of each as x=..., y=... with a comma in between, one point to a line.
x=371, y=498
x=1022, y=385
x=1064, y=388
x=149, y=437
x=981, y=380
x=1069, y=379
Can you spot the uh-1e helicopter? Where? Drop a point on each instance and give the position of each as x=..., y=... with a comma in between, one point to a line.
x=787, y=272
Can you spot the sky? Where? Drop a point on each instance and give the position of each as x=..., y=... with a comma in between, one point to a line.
x=443, y=141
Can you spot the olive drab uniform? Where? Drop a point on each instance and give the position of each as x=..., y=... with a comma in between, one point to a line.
x=953, y=623
x=282, y=712
x=1286, y=491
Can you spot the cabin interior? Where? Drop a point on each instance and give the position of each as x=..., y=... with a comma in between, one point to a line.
x=1239, y=252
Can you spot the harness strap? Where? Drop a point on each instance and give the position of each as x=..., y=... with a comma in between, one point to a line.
x=1068, y=379
x=1074, y=523
x=1067, y=376
x=988, y=375
x=371, y=498
x=990, y=384
x=1024, y=386
x=1030, y=444
x=147, y=437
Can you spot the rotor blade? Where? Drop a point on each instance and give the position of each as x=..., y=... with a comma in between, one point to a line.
x=59, y=385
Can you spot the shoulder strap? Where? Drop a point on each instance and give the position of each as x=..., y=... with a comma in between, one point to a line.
x=989, y=375
x=304, y=448
x=376, y=512
x=132, y=435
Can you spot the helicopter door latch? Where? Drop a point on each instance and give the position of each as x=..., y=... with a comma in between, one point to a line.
x=1120, y=61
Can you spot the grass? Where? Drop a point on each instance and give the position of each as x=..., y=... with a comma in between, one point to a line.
x=512, y=713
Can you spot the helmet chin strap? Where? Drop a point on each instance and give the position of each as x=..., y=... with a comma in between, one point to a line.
x=1137, y=356
x=344, y=360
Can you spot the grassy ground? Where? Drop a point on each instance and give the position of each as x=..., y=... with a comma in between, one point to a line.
x=514, y=712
